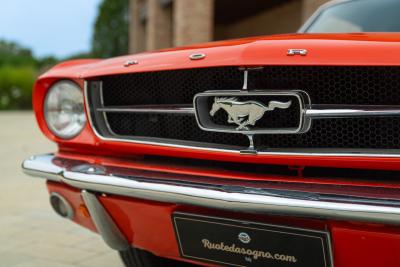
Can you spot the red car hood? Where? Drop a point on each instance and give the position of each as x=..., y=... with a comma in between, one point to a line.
x=361, y=49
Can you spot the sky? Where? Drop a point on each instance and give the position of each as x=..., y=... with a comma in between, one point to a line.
x=49, y=27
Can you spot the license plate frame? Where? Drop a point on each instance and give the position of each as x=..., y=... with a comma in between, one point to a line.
x=217, y=240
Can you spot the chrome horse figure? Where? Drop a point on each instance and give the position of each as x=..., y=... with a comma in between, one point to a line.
x=239, y=111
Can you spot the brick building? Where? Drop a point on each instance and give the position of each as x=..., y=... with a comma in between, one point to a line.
x=157, y=24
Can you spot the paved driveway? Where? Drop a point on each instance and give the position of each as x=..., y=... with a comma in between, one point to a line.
x=31, y=234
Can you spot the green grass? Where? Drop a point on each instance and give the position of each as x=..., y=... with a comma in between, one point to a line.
x=16, y=83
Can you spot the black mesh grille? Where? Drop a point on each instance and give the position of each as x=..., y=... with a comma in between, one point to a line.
x=325, y=85
x=168, y=87
x=381, y=133
x=169, y=126
x=334, y=85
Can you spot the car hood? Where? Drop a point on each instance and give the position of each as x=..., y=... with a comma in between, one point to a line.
x=353, y=49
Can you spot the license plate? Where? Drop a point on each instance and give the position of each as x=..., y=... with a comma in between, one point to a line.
x=239, y=243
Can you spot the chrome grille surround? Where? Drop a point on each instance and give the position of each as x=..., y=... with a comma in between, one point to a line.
x=99, y=121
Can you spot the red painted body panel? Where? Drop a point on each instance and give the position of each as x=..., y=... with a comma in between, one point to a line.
x=324, y=49
x=148, y=225
x=361, y=49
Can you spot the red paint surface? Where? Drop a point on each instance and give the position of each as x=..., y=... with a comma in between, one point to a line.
x=324, y=49
x=148, y=225
x=372, y=49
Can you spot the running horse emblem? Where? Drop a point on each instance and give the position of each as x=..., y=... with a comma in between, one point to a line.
x=245, y=113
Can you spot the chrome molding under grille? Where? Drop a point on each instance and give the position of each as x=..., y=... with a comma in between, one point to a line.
x=100, y=113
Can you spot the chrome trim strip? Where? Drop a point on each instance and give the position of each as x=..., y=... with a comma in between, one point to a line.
x=155, y=109
x=245, y=80
x=105, y=225
x=233, y=151
x=331, y=111
x=315, y=112
x=210, y=197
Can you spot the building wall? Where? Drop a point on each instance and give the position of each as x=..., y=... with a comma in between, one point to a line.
x=285, y=18
x=157, y=24
x=137, y=29
x=193, y=21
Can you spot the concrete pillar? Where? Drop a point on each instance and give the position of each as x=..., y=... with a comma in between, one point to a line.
x=310, y=6
x=137, y=27
x=159, y=25
x=193, y=21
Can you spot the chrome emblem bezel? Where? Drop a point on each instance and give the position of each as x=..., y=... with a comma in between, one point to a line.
x=203, y=115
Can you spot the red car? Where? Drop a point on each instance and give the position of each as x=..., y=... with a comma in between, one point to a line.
x=272, y=151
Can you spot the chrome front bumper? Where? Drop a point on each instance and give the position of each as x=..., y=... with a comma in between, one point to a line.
x=120, y=181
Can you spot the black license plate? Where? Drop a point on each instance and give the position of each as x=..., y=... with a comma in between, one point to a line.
x=238, y=243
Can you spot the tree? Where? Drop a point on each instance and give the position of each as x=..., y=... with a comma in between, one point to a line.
x=15, y=55
x=17, y=75
x=111, y=30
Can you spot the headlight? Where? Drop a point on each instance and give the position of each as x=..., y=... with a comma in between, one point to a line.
x=63, y=109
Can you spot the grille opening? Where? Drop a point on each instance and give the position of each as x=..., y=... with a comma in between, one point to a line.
x=325, y=84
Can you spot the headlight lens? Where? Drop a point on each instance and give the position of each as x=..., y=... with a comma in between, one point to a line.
x=64, y=111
